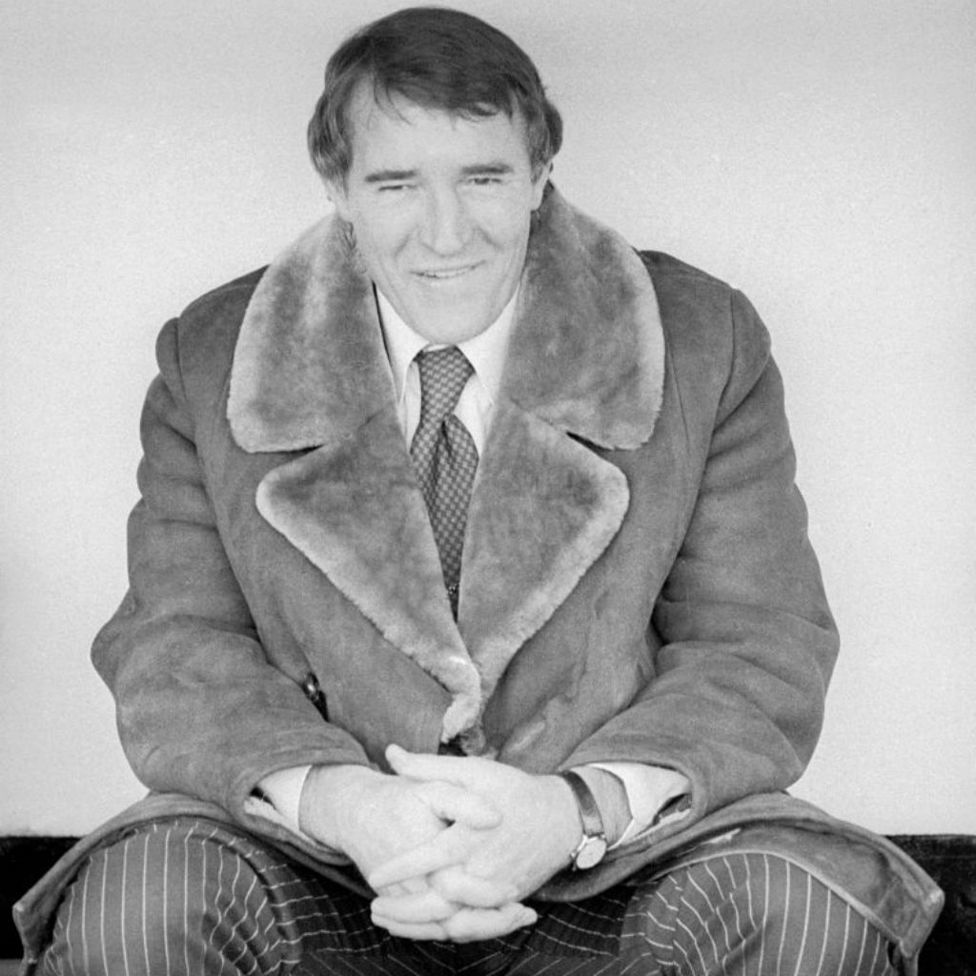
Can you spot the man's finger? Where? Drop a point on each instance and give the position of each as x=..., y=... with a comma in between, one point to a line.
x=475, y=924
x=455, y=804
x=425, y=766
x=425, y=906
x=441, y=852
x=410, y=887
x=456, y=885
x=426, y=931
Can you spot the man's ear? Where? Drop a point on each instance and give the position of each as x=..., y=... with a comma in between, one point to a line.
x=539, y=184
x=336, y=192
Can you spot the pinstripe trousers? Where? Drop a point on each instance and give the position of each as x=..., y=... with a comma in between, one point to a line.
x=189, y=896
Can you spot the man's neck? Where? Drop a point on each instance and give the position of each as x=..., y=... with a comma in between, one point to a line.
x=486, y=351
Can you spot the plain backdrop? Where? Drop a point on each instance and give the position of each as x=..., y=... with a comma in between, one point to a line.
x=819, y=155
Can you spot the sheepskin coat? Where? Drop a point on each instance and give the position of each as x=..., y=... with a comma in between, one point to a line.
x=637, y=581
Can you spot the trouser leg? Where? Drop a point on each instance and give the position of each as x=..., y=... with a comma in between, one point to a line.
x=189, y=897
x=178, y=896
x=755, y=914
x=736, y=914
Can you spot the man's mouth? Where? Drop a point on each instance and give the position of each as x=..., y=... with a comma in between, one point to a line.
x=444, y=274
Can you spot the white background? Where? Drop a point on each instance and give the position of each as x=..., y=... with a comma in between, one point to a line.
x=819, y=155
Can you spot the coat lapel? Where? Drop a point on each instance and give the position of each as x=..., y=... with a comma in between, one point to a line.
x=585, y=368
x=355, y=510
x=543, y=509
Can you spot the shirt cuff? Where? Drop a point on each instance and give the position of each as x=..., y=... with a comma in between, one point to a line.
x=648, y=789
x=283, y=790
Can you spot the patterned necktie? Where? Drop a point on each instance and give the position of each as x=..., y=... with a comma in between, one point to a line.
x=444, y=456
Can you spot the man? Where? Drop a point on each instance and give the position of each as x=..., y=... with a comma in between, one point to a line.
x=472, y=622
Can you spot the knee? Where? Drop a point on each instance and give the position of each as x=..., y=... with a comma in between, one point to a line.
x=759, y=913
x=800, y=925
x=166, y=898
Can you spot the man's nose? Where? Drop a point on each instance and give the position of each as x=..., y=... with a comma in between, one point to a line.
x=446, y=226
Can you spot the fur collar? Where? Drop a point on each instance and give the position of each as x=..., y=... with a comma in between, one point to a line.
x=586, y=354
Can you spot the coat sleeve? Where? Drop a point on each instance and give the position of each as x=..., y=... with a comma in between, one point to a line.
x=200, y=710
x=744, y=639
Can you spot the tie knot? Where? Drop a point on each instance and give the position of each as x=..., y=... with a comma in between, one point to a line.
x=443, y=375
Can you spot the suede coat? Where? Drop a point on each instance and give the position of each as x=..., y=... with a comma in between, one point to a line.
x=637, y=581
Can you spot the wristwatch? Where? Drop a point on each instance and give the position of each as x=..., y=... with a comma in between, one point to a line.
x=592, y=848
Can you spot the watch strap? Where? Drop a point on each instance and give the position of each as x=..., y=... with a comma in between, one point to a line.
x=594, y=843
x=588, y=810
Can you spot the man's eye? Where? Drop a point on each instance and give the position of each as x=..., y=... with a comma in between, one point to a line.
x=484, y=180
x=393, y=188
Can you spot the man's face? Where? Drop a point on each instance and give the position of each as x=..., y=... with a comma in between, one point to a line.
x=441, y=209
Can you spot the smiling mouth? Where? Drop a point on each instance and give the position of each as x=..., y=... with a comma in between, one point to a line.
x=444, y=274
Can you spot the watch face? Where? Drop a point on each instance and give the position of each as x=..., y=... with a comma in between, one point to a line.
x=591, y=852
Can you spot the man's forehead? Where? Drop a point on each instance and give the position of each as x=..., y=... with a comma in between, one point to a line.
x=371, y=104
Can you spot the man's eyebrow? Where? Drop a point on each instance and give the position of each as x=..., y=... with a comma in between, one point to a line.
x=390, y=176
x=402, y=175
x=488, y=169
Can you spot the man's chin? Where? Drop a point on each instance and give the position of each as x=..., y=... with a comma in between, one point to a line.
x=453, y=325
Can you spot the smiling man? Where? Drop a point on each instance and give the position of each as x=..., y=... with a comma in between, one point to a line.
x=473, y=626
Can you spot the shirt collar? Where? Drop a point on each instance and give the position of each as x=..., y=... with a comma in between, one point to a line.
x=486, y=351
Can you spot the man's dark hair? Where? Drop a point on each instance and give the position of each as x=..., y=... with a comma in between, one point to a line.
x=437, y=58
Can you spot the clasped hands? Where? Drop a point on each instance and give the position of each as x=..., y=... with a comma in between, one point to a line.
x=452, y=845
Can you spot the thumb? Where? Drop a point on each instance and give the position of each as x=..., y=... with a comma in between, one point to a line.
x=425, y=766
x=396, y=756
